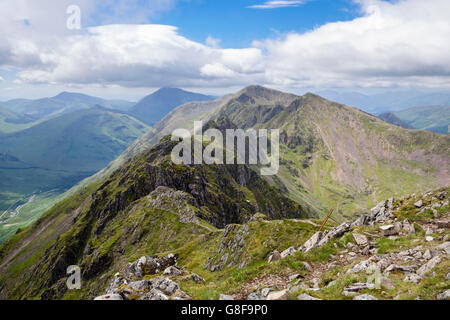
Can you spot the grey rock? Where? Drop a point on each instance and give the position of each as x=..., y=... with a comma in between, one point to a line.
x=278, y=295
x=418, y=204
x=255, y=296
x=356, y=287
x=308, y=266
x=172, y=271
x=196, y=278
x=427, y=267
x=305, y=296
x=265, y=292
x=274, y=256
x=288, y=252
x=165, y=285
x=444, y=247
x=444, y=295
x=386, y=283
x=142, y=285
x=110, y=297
x=361, y=240
x=365, y=297
x=412, y=277
x=226, y=297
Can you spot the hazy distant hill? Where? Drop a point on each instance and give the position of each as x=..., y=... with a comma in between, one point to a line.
x=388, y=101
x=432, y=118
x=391, y=118
x=155, y=106
x=63, y=102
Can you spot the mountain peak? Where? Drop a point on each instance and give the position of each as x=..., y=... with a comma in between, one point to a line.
x=262, y=95
x=67, y=94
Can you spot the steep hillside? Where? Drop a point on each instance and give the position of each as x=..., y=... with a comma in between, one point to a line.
x=155, y=106
x=147, y=206
x=56, y=154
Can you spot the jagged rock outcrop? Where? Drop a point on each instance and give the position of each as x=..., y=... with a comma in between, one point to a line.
x=132, y=284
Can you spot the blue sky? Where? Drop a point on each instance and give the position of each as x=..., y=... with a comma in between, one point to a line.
x=126, y=48
x=237, y=25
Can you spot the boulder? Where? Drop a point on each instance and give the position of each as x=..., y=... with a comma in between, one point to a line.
x=278, y=295
x=288, y=252
x=274, y=256
x=305, y=296
x=196, y=278
x=388, y=230
x=265, y=292
x=386, y=283
x=427, y=267
x=444, y=295
x=312, y=242
x=143, y=285
x=361, y=240
x=155, y=294
x=255, y=296
x=180, y=295
x=165, y=285
x=418, y=204
x=172, y=271
x=308, y=266
x=412, y=277
x=356, y=287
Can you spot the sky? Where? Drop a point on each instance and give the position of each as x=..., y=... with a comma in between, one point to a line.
x=128, y=48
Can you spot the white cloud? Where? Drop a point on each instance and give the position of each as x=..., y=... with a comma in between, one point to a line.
x=392, y=44
x=1, y=79
x=213, y=42
x=278, y=4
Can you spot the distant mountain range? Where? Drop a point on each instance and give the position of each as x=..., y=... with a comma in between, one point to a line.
x=62, y=103
x=432, y=118
x=155, y=106
x=388, y=101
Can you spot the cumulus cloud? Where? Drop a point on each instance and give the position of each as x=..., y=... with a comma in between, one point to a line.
x=391, y=44
x=278, y=4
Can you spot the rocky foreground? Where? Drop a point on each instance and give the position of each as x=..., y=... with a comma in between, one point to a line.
x=399, y=251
